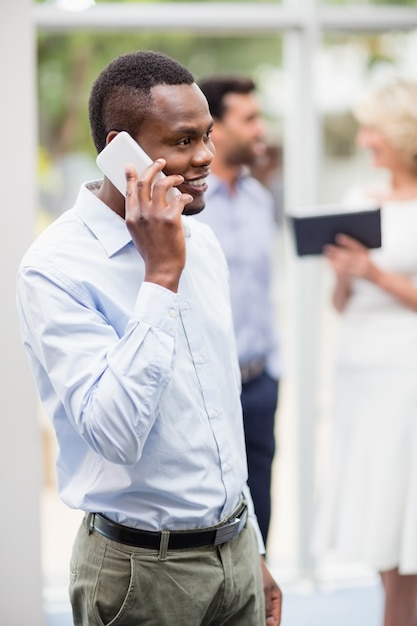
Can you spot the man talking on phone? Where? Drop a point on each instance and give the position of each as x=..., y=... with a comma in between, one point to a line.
x=125, y=315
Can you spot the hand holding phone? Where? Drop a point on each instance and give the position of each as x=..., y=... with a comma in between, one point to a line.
x=120, y=151
x=161, y=247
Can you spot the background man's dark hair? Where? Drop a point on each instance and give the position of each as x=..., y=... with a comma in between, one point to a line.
x=217, y=87
x=121, y=98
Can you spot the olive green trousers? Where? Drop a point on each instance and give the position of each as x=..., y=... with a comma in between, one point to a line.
x=112, y=584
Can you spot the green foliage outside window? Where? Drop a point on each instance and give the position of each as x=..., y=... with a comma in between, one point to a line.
x=393, y=3
x=68, y=64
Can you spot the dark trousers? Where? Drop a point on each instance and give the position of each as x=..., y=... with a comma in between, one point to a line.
x=259, y=402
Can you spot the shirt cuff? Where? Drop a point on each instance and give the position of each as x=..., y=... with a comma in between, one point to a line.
x=157, y=306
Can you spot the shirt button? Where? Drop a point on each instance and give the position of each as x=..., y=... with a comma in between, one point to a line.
x=227, y=467
x=214, y=413
x=200, y=359
x=172, y=313
x=185, y=306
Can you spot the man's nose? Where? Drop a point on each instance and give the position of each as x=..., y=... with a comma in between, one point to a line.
x=203, y=154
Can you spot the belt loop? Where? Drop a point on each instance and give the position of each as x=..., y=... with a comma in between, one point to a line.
x=163, y=546
x=90, y=522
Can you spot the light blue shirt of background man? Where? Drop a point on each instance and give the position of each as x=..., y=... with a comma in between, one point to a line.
x=240, y=211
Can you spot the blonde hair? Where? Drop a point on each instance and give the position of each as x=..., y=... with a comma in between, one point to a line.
x=391, y=108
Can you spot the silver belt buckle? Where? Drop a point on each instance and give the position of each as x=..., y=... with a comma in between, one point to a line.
x=230, y=530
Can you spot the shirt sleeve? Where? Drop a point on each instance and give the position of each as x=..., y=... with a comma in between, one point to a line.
x=253, y=519
x=274, y=352
x=109, y=385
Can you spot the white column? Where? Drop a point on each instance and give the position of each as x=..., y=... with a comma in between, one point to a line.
x=20, y=465
x=302, y=157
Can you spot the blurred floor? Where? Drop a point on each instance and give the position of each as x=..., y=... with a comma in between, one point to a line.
x=333, y=606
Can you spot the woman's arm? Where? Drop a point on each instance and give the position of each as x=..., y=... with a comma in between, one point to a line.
x=350, y=259
x=341, y=292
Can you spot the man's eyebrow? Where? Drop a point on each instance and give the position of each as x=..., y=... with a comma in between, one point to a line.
x=191, y=131
x=186, y=130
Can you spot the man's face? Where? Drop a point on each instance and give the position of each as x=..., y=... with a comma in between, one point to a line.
x=239, y=134
x=178, y=129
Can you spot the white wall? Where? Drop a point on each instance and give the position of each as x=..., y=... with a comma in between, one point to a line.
x=20, y=466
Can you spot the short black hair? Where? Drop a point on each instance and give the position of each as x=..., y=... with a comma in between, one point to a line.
x=216, y=88
x=120, y=97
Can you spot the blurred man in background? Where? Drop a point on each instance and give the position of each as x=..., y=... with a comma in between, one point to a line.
x=241, y=212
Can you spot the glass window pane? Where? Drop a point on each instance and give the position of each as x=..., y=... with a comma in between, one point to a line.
x=188, y=1
x=83, y=4
x=393, y=3
x=67, y=66
x=347, y=65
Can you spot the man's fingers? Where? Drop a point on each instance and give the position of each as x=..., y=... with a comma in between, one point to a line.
x=273, y=611
x=148, y=174
x=185, y=198
x=150, y=184
x=164, y=188
x=273, y=597
x=131, y=180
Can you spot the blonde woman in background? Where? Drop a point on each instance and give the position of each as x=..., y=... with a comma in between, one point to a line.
x=368, y=508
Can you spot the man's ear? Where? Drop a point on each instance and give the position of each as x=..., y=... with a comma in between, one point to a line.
x=111, y=135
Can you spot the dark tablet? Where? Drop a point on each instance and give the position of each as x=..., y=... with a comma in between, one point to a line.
x=313, y=231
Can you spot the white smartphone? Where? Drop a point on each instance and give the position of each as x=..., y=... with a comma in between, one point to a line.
x=120, y=151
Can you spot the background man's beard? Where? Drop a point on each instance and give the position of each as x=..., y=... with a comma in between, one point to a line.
x=245, y=156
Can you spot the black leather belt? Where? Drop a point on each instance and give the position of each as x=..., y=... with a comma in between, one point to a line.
x=178, y=539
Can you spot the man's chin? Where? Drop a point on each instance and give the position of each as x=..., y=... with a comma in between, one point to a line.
x=191, y=209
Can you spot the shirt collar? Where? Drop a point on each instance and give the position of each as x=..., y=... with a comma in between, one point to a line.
x=105, y=224
x=109, y=228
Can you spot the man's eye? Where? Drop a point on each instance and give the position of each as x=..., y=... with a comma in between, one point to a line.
x=185, y=142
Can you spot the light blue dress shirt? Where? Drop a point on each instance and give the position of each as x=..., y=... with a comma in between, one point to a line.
x=142, y=384
x=243, y=221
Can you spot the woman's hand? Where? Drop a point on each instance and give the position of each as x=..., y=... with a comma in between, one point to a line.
x=349, y=259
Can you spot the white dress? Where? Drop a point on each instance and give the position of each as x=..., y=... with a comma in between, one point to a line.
x=368, y=506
